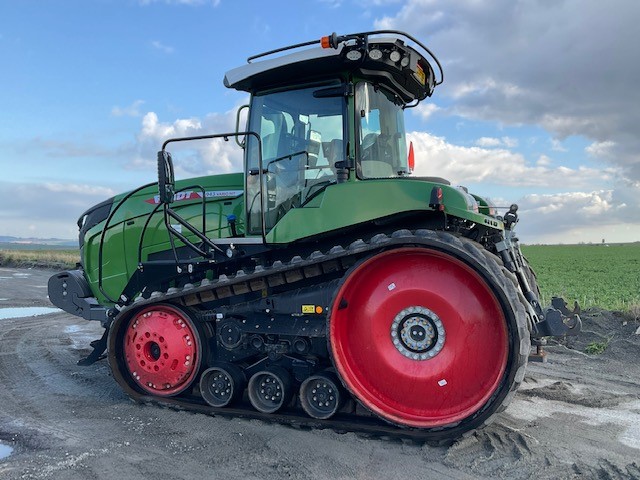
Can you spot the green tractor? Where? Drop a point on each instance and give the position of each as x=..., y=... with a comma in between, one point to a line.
x=325, y=286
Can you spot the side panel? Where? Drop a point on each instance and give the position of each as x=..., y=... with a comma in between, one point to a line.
x=224, y=197
x=351, y=203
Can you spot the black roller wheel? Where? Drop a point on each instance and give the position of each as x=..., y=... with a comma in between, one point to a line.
x=222, y=385
x=321, y=395
x=270, y=389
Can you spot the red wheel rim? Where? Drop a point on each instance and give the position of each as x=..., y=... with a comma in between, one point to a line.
x=162, y=350
x=459, y=379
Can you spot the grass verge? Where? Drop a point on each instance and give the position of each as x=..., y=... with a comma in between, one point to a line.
x=51, y=259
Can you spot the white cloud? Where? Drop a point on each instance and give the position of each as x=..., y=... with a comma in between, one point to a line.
x=162, y=47
x=586, y=214
x=543, y=161
x=510, y=142
x=507, y=142
x=425, y=110
x=153, y=129
x=499, y=166
x=81, y=189
x=52, y=208
x=600, y=149
x=488, y=142
x=193, y=158
x=532, y=63
x=579, y=217
x=556, y=145
x=485, y=86
x=132, y=110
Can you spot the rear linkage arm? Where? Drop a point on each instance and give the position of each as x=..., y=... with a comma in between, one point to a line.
x=555, y=321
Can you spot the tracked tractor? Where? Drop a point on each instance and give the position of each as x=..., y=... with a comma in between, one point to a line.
x=326, y=285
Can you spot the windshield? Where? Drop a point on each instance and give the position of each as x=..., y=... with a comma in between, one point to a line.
x=302, y=139
x=383, y=147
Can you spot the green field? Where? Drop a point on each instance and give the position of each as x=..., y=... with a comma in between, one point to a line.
x=605, y=276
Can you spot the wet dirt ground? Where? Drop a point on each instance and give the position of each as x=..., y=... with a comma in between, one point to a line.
x=576, y=416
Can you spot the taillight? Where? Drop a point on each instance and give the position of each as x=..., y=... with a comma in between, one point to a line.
x=436, y=199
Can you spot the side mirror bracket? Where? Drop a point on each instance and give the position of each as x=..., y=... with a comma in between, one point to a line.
x=241, y=143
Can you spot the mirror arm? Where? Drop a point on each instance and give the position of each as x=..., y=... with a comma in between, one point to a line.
x=242, y=143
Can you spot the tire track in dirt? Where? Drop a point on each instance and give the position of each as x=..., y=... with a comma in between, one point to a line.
x=71, y=422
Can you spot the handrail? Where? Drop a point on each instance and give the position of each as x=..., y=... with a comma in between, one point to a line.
x=103, y=233
x=226, y=136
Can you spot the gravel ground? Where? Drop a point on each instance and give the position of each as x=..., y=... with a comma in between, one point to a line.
x=576, y=416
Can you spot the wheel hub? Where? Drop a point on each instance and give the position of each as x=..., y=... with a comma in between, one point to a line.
x=161, y=350
x=322, y=395
x=417, y=333
x=270, y=389
x=221, y=385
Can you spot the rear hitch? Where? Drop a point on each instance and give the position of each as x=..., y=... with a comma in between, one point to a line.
x=558, y=321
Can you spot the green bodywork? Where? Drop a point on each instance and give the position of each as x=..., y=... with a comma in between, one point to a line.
x=337, y=207
x=343, y=119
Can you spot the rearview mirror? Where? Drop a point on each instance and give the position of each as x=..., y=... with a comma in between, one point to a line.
x=166, y=180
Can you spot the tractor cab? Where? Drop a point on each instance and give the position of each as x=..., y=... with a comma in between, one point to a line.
x=318, y=117
x=325, y=116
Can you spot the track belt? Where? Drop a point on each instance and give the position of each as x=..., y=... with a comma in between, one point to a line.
x=337, y=259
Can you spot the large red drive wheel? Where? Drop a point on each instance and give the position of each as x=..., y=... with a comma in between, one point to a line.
x=162, y=350
x=421, y=338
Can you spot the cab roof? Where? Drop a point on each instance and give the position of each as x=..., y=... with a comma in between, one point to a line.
x=382, y=60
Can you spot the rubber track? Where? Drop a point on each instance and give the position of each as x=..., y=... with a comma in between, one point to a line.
x=339, y=259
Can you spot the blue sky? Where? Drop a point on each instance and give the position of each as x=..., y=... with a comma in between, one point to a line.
x=538, y=105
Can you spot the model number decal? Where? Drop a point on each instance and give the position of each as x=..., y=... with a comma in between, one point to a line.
x=191, y=195
x=491, y=223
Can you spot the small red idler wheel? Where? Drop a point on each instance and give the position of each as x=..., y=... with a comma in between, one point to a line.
x=162, y=350
x=419, y=337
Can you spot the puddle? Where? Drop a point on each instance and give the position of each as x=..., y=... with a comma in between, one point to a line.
x=20, y=312
x=5, y=450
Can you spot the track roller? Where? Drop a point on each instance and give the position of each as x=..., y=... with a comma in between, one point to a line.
x=321, y=395
x=270, y=389
x=222, y=385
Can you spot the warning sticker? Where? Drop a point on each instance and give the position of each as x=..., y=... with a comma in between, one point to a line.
x=308, y=309
x=420, y=75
